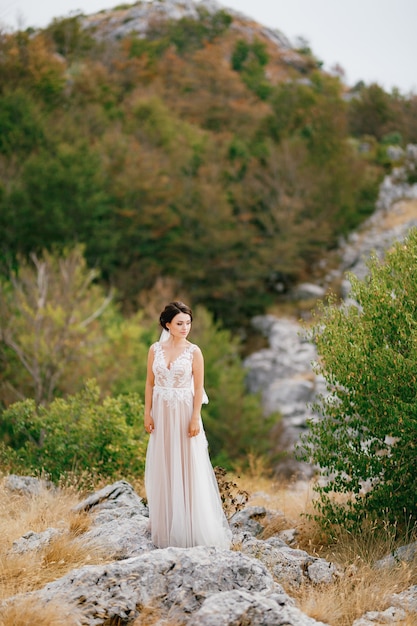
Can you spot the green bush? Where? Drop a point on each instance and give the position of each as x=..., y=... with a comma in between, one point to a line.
x=250, y=60
x=188, y=34
x=21, y=123
x=83, y=432
x=365, y=444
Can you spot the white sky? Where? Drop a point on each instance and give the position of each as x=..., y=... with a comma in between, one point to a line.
x=373, y=40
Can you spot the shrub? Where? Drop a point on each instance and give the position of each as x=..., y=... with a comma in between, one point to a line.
x=82, y=432
x=365, y=444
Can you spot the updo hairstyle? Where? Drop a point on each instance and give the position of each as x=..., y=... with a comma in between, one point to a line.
x=171, y=310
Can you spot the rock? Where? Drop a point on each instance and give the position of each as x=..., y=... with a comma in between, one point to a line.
x=194, y=586
x=378, y=618
x=284, y=375
x=289, y=396
x=27, y=485
x=403, y=606
x=406, y=599
x=405, y=554
x=294, y=567
x=289, y=536
x=35, y=541
x=246, y=521
x=118, y=23
x=308, y=291
x=122, y=538
x=411, y=152
x=395, y=153
x=115, y=500
x=239, y=607
x=120, y=521
x=176, y=580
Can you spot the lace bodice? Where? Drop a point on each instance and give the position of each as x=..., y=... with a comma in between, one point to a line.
x=179, y=374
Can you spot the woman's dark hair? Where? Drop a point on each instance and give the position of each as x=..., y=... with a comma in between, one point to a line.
x=171, y=310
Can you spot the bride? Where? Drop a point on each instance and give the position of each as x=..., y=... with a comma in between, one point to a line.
x=185, y=509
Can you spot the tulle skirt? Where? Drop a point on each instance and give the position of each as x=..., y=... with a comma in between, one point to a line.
x=185, y=509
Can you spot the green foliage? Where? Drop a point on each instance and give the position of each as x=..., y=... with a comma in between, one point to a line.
x=309, y=120
x=26, y=61
x=60, y=199
x=233, y=418
x=240, y=54
x=69, y=36
x=59, y=328
x=392, y=139
x=167, y=161
x=81, y=433
x=21, y=124
x=48, y=320
x=372, y=112
x=188, y=34
x=250, y=60
x=365, y=443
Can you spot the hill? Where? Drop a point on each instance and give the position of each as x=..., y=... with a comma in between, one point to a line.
x=184, y=145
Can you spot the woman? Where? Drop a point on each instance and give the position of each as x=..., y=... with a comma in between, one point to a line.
x=184, y=503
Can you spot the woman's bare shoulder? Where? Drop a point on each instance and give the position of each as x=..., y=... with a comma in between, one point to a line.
x=195, y=349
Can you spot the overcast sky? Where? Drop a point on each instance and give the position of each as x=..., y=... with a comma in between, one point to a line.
x=373, y=40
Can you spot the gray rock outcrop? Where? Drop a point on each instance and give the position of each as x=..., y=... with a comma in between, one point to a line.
x=27, y=485
x=118, y=23
x=114, y=24
x=198, y=586
x=372, y=238
x=402, y=610
x=283, y=371
x=120, y=521
x=284, y=376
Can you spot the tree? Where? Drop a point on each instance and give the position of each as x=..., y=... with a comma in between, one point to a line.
x=365, y=443
x=21, y=124
x=48, y=315
x=371, y=113
x=60, y=199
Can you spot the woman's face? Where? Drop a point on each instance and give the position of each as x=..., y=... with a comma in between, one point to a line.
x=180, y=325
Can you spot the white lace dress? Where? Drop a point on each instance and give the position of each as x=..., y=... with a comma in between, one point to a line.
x=184, y=503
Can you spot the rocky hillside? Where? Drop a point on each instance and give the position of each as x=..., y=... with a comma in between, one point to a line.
x=200, y=586
x=282, y=372
x=141, y=18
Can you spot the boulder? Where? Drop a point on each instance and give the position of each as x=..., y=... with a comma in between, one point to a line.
x=193, y=586
x=239, y=607
x=176, y=580
x=120, y=521
x=27, y=485
x=35, y=541
x=288, y=565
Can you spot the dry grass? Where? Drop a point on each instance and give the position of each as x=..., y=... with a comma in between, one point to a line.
x=400, y=213
x=359, y=588
x=150, y=616
x=20, y=573
x=291, y=501
x=23, y=612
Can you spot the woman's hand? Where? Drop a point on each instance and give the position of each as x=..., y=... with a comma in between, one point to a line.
x=149, y=424
x=194, y=427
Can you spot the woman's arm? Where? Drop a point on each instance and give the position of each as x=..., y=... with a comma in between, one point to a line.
x=150, y=379
x=198, y=374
